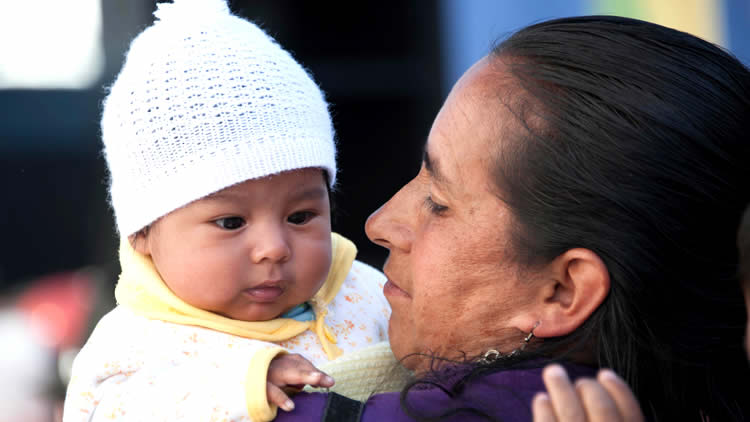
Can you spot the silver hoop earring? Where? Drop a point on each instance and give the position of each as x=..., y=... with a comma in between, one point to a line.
x=493, y=355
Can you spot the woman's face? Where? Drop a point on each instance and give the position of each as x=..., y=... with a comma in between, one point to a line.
x=453, y=284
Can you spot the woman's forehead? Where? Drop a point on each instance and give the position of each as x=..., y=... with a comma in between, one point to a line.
x=469, y=129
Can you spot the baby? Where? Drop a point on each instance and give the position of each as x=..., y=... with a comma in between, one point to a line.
x=221, y=154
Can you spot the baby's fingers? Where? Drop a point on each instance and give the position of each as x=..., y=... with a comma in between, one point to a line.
x=278, y=397
x=542, y=408
x=562, y=395
x=597, y=402
x=294, y=370
x=316, y=379
x=621, y=394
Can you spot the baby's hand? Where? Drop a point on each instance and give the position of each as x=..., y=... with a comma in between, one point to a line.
x=289, y=373
x=605, y=399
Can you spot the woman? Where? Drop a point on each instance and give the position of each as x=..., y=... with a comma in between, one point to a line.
x=578, y=200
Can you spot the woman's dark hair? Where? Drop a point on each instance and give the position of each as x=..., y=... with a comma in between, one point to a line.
x=635, y=144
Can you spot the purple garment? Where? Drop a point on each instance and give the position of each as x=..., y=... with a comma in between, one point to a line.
x=505, y=395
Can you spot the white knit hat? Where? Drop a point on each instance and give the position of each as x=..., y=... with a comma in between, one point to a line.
x=206, y=100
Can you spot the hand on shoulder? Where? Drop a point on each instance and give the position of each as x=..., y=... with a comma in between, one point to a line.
x=606, y=398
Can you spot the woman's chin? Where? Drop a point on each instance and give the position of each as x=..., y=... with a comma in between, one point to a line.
x=406, y=352
x=399, y=348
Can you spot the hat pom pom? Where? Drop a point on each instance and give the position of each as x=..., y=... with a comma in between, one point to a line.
x=191, y=10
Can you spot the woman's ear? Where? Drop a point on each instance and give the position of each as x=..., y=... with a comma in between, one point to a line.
x=578, y=283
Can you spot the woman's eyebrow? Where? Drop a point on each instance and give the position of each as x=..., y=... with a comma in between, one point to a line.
x=433, y=168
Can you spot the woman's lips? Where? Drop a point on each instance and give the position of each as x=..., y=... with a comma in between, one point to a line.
x=268, y=291
x=391, y=289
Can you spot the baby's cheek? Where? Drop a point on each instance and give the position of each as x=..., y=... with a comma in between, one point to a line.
x=312, y=274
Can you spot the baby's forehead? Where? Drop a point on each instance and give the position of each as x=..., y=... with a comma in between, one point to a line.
x=306, y=183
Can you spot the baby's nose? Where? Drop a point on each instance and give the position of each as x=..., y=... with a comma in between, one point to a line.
x=270, y=244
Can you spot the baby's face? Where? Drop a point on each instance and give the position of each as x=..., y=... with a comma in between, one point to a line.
x=251, y=251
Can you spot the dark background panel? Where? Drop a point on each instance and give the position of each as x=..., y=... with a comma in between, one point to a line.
x=385, y=67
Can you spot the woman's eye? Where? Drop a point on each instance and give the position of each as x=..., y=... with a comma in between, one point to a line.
x=301, y=217
x=230, y=223
x=434, y=207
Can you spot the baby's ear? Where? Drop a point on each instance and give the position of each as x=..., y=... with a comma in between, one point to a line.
x=139, y=242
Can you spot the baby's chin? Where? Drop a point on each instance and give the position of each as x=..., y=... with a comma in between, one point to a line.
x=257, y=312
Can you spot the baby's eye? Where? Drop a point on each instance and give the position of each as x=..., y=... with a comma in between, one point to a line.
x=230, y=223
x=300, y=217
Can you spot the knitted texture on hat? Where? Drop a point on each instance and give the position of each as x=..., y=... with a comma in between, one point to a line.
x=206, y=100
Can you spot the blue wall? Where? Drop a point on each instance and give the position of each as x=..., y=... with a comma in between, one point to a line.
x=469, y=27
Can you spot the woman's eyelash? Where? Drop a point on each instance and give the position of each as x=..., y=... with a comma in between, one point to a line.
x=434, y=207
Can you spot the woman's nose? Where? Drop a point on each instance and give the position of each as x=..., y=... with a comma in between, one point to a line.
x=270, y=244
x=390, y=226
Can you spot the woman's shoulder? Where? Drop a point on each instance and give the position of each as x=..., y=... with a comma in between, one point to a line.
x=517, y=384
x=504, y=395
x=507, y=393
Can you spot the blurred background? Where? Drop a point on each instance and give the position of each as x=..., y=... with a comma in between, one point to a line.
x=385, y=66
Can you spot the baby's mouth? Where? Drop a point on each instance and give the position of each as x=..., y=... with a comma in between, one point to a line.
x=268, y=291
